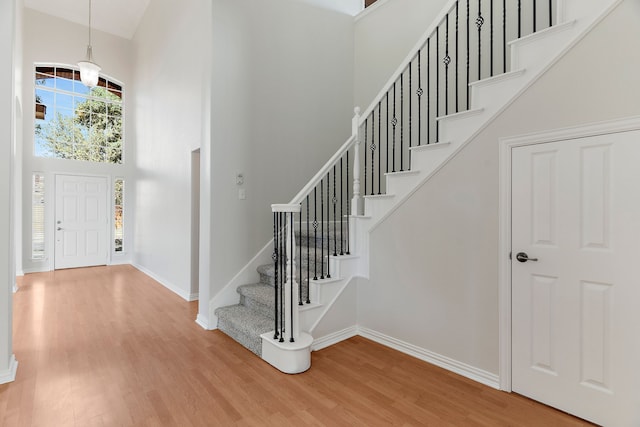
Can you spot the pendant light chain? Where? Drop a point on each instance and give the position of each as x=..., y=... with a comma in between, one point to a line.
x=89, y=22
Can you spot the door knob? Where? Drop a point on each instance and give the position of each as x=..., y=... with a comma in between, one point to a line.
x=523, y=257
x=59, y=228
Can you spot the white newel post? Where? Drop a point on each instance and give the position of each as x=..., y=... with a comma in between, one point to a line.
x=357, y=206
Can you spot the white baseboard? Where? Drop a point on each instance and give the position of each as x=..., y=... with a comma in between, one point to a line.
x=175, y=289
x=334, y=338
x=9, y=375
x=473, y=373
x=204, y=323
x=36, y=270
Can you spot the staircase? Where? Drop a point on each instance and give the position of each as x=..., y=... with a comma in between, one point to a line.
x=254, y=315
x=448, y=89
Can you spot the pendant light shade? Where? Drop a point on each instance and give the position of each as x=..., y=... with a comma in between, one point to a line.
x=89, y=70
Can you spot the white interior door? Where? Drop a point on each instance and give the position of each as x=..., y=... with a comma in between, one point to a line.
x=576, y=309
x=81, y=221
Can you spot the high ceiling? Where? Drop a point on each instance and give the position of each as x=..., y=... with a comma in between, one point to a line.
x=119, y=17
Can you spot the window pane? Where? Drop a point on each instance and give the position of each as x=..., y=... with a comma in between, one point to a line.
x=37, y=217
x=64, y=101
x=118, y=215
x=74, y=122
x=64, y=84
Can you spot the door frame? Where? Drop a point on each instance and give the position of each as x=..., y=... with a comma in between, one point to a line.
x=52, y=213
x=506, y=145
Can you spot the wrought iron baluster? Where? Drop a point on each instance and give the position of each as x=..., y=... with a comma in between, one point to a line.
x=446, y=60
x=419, y=92
x=364, y=150
x=457, y=56
x=491, y=39
x=410, y=110
x=315, y=233
x=468, y=50
x=519, y=18
x=387, y=132
x=308, y=254
x=401, y=120
x=322, y=229
x=373, y=149
x=300, y=258
x=504, y=36
x=341, y=207
x=379, y=146
x=335, y=219
x=550, y=13
x=437, y=82
x=328, y=229
x=479, y=23
x=534, y=16
x=348, y=208
x=394, y=122
x=428, y=91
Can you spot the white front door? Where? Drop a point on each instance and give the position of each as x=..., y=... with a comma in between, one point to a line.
x=576, y=309
x=81, y=221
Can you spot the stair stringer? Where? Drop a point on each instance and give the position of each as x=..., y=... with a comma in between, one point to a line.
x=531, y=57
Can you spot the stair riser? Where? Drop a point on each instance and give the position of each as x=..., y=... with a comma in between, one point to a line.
x=253, y=343
x=401, y=185
x=265, y=310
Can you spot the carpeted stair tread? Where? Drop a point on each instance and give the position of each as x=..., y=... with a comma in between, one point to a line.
x=244, y=325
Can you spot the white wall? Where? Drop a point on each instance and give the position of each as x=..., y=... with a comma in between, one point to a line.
x=7, y=100
x=53, y=40
x=282, y=104
x=385, y=33
x=18, y=136
x=434, y=263
x=170, y=98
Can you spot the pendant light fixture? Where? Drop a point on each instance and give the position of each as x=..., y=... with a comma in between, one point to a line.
x=89, y=70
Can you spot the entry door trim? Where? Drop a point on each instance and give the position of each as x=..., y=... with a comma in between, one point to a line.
x=506, y=145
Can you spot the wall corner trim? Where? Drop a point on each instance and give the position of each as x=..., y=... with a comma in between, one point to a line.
x=9, y=375
x=203, y=322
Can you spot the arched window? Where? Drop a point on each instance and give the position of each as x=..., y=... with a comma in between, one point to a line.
x=76, y=122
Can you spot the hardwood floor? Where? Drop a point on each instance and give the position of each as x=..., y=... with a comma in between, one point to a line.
x=108, y=346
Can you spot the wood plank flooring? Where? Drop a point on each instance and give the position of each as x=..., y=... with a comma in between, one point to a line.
x=108, y=346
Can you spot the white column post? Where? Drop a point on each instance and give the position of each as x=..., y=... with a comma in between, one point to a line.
x=292, y=326
x=357, y=203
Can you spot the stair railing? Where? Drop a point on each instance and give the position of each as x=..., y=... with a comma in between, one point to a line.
x=467, y=42
x=317, y=219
